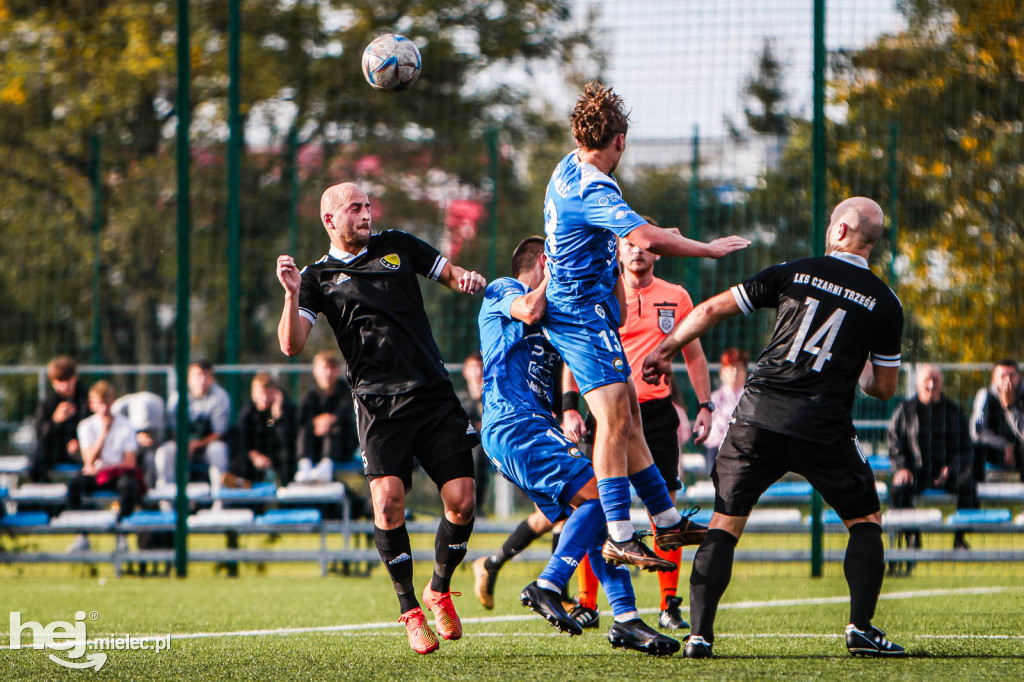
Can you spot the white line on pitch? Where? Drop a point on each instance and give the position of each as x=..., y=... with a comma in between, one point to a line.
x=355, y=627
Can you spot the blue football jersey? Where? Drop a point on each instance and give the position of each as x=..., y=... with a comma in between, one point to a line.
x=583, y=213
x=519, y=362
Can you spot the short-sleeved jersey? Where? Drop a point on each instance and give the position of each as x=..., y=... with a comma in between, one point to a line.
x=651, y=313
x=519, y=361
x=583, y=213
x=833, y=315
x=120, y=439
x=374, y=305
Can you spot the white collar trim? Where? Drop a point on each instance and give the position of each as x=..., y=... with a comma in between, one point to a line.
x=344, y=256
x=851, y=258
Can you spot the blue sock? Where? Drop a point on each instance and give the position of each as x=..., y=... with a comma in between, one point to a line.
x=615, y=580
x=579, y=533
x=615, y=498
x=650, y=486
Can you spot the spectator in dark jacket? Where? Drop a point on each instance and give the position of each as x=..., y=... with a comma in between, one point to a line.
x=930, y=447
x=327, y=427
x=997, y=422
x=266, y=432
x=56, y=420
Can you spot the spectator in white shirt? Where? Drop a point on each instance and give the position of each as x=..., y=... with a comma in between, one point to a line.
x=209, y=415
x=108, y=447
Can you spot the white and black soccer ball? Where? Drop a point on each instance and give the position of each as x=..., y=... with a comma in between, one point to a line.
x=391, y=62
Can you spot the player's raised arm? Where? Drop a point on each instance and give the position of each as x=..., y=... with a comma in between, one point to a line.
x=671, y=243
x=461, y=280
x=702, y=318
x=531, y=306
x=293, y=329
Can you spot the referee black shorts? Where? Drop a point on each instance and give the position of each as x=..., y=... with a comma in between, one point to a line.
x=752, y=458
x=427, y=423
x=661, y=426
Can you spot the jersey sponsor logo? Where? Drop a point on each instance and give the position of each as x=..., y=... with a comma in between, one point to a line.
x=391, y=261
x=618, y=364
x=341, y=278
x=666, y=319
x=599, y=309
x=620, y=215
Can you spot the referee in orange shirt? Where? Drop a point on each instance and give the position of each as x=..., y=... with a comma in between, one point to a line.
x=653, y=308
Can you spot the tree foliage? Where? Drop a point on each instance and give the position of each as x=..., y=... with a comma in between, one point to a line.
x=80, y=76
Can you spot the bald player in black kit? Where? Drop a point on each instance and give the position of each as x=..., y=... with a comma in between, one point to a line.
x=837, y=326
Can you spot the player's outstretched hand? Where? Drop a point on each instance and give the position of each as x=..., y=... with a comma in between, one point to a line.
x=656, y=367
x=726, y=245
x=288, y=274
x=471, y=282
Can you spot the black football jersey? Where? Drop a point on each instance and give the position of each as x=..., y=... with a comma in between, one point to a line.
x=833, y=314
x=374, y=305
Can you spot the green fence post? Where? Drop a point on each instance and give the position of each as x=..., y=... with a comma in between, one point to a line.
x=818, y=229
x=97, y=226
x=236, y=135
x=894, y=198
x=181, y=340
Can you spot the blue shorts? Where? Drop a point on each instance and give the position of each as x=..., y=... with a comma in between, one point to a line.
x=532, y=453
x=587, y=338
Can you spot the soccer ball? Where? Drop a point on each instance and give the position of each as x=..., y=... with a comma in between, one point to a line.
x=391, y=62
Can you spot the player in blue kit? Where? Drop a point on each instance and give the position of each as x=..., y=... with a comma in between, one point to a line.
x=583, y=214
x=525, y=444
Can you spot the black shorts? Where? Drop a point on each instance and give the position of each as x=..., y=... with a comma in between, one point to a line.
x=752, y=458
x=426, y=423
x=661, y=426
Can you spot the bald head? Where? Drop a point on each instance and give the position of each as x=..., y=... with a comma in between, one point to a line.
x=345, y=212
x=929, y=383
x=856, y=226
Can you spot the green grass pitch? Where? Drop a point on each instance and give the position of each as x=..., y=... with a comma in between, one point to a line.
x=774, y=623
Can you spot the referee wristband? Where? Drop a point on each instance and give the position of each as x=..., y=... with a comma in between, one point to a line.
x=571, y=401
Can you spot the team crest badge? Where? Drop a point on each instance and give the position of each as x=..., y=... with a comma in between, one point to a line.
x=666, y=319
x=391, y=261
x=618, y=364
x=574, y=451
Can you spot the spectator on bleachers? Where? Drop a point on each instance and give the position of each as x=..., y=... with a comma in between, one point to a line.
x=56, y=420
x=732, y=376
x=209, y=412
x=327, y=427
x=147, y=413
x=266, y=434
x=109, y=459
x=930, y=449
x=472, y=400
x=997, y=422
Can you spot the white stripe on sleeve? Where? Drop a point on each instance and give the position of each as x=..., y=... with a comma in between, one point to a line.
x=308, y=314
x=885, y=360
x=439, y=264
x=740, y=294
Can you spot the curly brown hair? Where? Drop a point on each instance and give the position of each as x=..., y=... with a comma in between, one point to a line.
x=598, y=117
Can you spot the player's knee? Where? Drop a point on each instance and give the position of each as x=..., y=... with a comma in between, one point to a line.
x=388, y=512
x=461, y=511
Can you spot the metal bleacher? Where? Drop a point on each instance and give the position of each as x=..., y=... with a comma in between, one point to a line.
x=298, y=509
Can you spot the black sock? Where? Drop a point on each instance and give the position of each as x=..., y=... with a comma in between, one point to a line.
x=864, y=566
x=449, y=550
x=396, y=553
x=712, y=570
x=555, y=537
x=515, y=543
